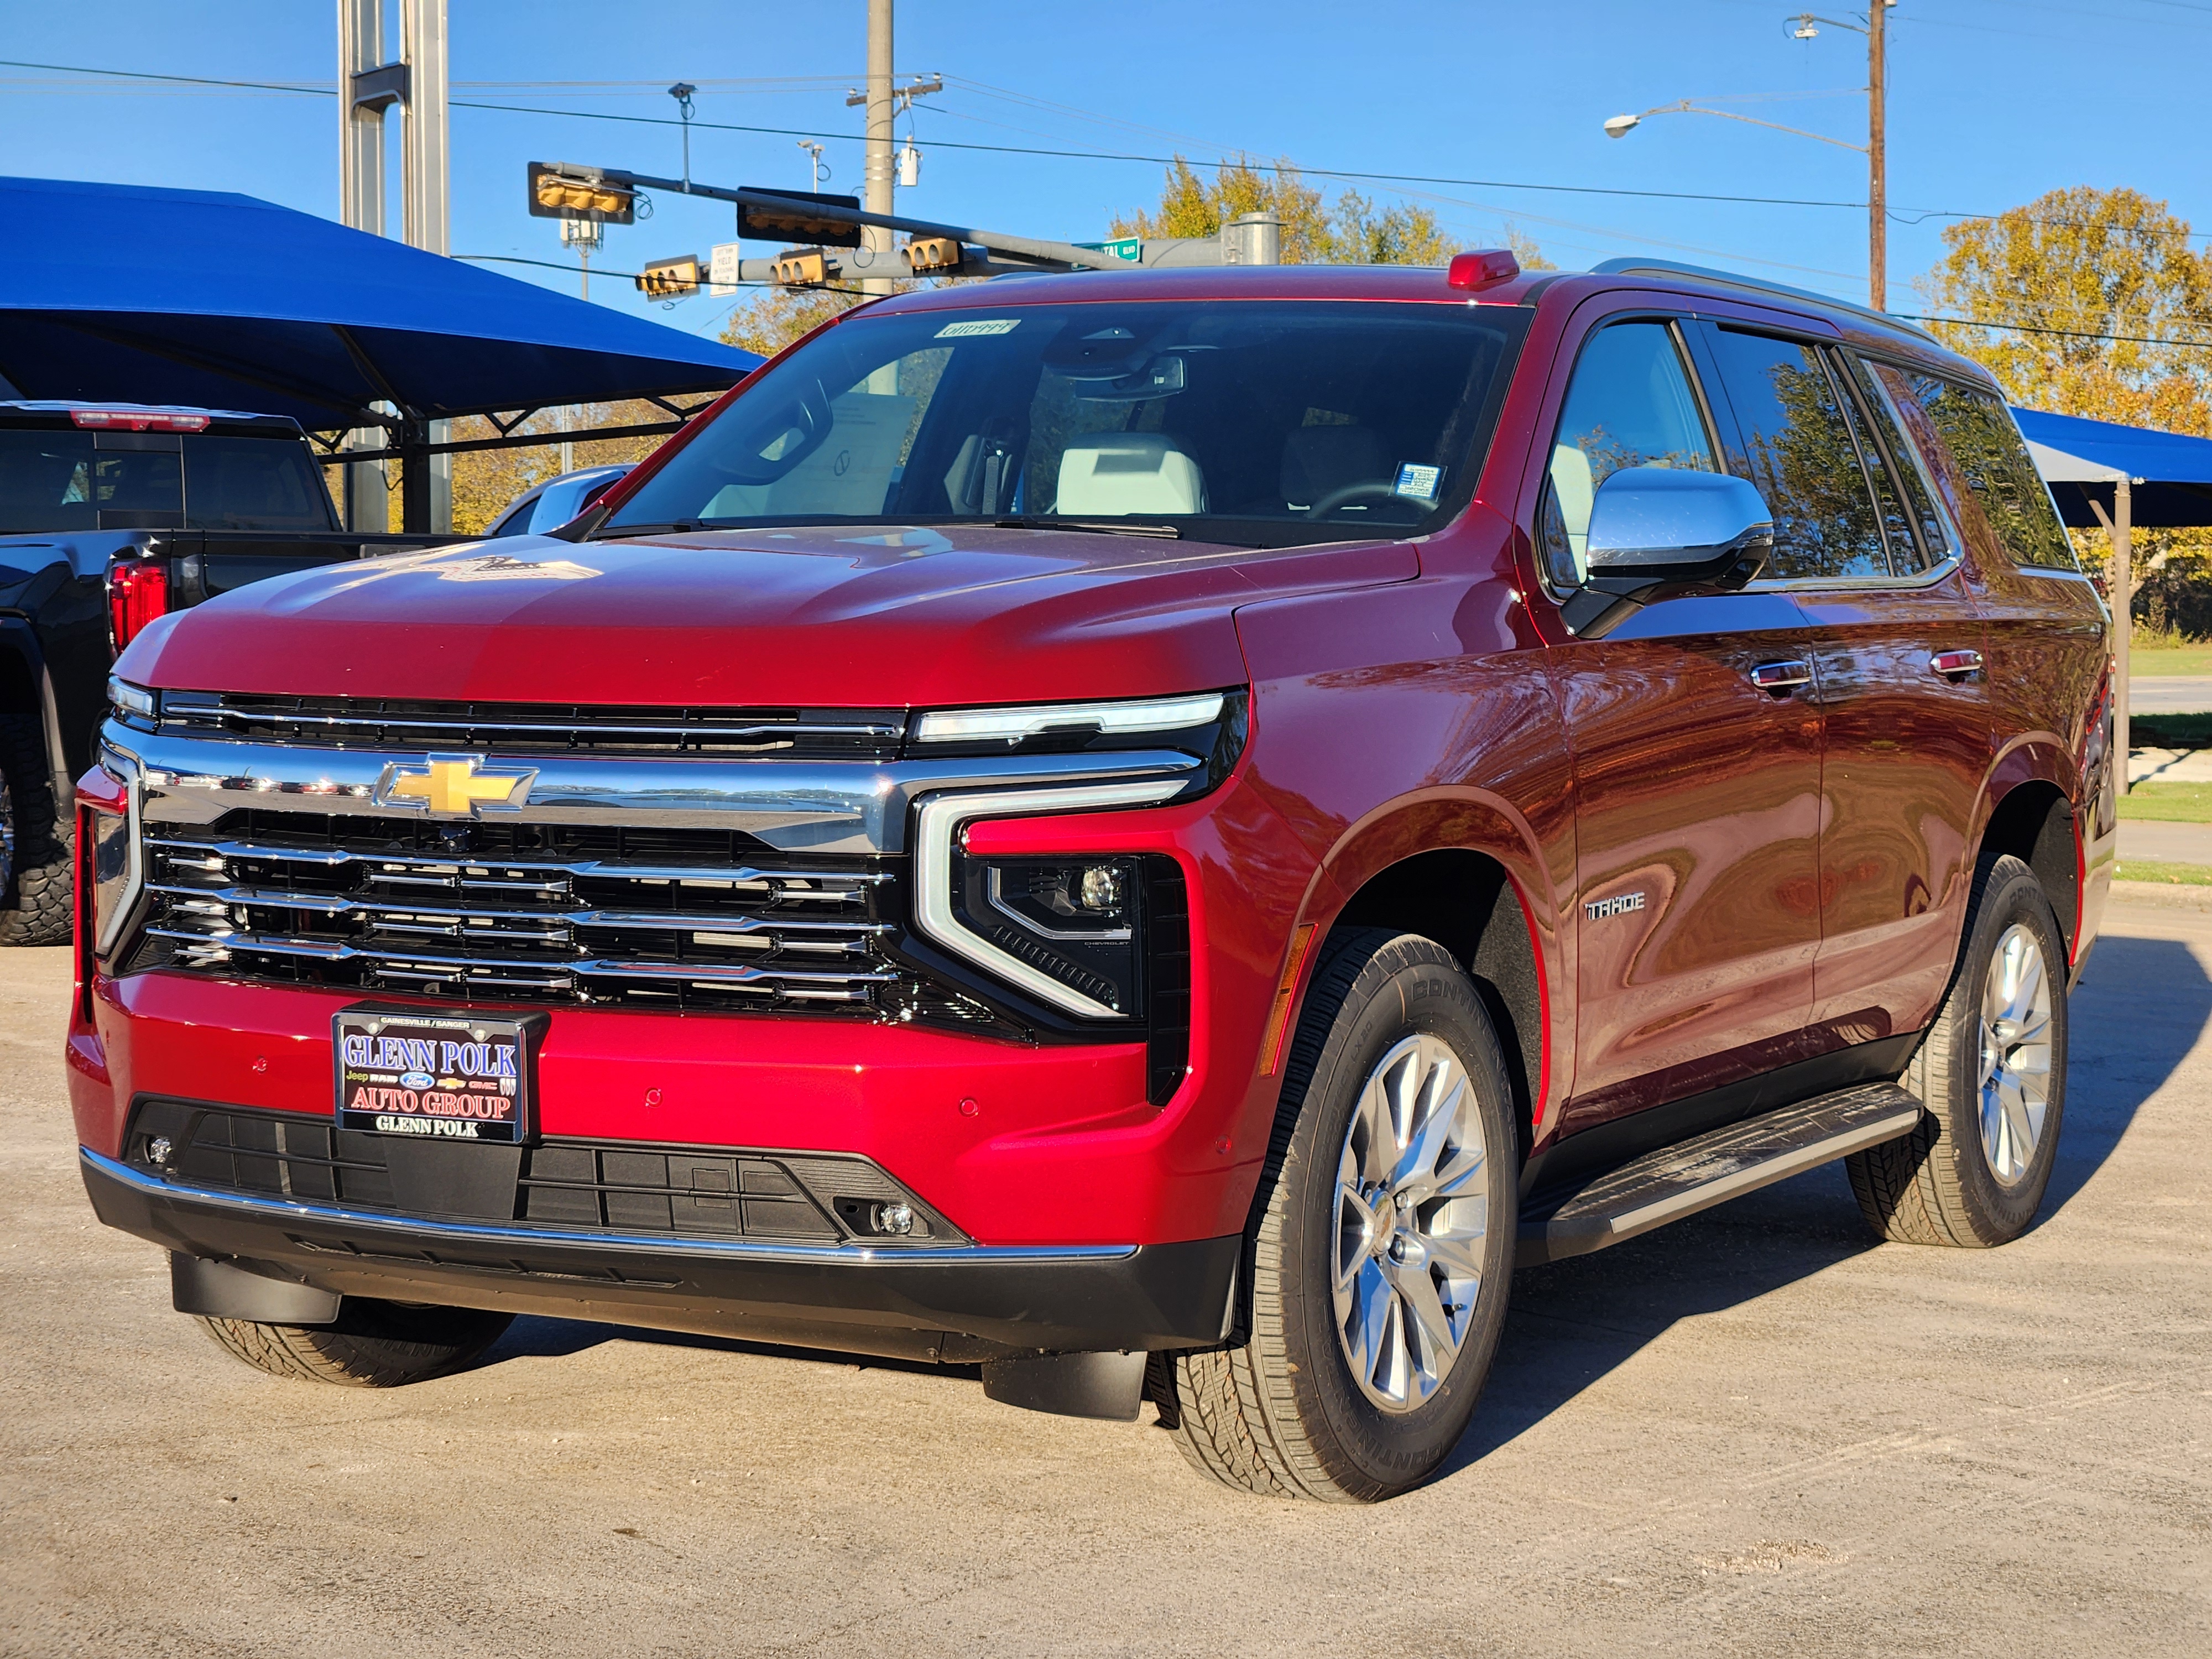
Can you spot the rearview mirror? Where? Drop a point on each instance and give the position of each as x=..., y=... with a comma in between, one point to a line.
x=1656, y=532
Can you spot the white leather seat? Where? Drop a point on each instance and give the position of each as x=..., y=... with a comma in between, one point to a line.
x=1113, y=474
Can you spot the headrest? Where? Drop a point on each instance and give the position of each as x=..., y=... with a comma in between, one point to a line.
x=1317, y=460
x=1115, y=473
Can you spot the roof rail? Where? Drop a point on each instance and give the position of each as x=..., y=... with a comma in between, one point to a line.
x=1643, y=267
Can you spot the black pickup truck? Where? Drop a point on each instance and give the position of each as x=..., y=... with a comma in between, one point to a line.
x=110, y=516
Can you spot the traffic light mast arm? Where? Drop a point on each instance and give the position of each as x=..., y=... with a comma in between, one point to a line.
x=1066, y=254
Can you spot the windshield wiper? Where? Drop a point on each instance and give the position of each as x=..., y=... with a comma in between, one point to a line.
x=607, y=531
x=1108, y=526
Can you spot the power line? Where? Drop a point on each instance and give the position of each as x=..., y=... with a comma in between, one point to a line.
x=1903, y=216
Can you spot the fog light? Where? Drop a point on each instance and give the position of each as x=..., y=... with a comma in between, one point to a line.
x=159, y=1148
x=895, y=1218
x=1101, y=887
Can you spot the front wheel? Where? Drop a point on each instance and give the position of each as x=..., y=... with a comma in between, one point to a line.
x=373, y=1345
x=1383, y=1248
x=1991, y=1073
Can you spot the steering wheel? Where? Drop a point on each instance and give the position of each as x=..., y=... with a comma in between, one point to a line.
x=1345, y=495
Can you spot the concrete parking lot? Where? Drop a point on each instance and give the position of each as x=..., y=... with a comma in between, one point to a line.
x=1755, y=1433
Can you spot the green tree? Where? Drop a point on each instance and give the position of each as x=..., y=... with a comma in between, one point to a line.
x=773, y=316
x=2087, y=264
x=1352, y=230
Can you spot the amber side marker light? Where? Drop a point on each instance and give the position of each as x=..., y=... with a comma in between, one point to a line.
x=1279, y=1017
x=1485, y=267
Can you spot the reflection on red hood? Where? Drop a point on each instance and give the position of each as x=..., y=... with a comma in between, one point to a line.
x=863, y=618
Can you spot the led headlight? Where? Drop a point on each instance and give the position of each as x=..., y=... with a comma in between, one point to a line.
x=134, y=705
x=1013, y=727
x=112, y=864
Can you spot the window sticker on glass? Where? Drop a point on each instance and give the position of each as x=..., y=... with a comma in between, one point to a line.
x=981, y=326
x=1418, y=482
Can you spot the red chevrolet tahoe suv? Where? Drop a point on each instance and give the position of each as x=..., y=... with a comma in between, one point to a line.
x=1156, y=833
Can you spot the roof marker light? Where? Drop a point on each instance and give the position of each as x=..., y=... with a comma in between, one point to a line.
x=137, y=420
x=1483, y=268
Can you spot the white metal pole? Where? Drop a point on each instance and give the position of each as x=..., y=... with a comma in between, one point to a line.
x=367, y=501
x=2123, y=609
x=427, y=174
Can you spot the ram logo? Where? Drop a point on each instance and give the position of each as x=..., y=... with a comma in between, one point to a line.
x=1618, y=905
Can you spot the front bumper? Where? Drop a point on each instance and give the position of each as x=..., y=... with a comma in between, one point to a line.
x=954, y=1303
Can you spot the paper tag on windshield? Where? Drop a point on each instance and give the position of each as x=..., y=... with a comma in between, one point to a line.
x=981, y=325
x=1419, y=482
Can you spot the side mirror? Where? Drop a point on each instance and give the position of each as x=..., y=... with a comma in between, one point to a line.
x=1657, y=533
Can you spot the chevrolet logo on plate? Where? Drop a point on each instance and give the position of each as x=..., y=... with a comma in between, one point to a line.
x=454, y=785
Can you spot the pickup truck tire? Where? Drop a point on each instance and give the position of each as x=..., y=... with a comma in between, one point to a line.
x=374, y=1344
x=1386, y=1205
x=1974, y=1172
x=39, y=832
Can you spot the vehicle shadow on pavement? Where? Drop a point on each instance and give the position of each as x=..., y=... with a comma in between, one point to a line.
x=2142, y=1006
x=532, y=1337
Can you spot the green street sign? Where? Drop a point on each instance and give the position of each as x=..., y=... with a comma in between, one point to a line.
x=1131, y=248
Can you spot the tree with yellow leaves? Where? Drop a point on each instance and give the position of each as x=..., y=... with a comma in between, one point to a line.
x=2104, y=291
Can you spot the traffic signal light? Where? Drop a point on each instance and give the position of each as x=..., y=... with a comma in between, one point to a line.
x=800, y=267
x=928, y=255
x=560, y=193
x=670, y=279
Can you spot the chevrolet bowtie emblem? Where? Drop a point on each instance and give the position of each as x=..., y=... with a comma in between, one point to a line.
x=454, y=785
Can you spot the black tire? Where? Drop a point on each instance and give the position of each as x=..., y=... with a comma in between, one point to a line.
x=35, y=894
x=1285, y=1414
x=1939, y=1185
x=374, y=1344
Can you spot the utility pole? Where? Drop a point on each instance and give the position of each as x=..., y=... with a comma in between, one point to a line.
x=1877, y=157
x=876, y=176
x=426, y=482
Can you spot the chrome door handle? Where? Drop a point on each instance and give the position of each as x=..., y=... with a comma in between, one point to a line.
x=1781, y=676
x=1956, y=665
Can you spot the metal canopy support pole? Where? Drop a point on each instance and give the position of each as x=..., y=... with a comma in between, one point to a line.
x=876, y=174
x=361, y=205
x=428, y=221
x=2123, y=609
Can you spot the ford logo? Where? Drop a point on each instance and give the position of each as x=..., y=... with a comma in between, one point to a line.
x=416, y=1080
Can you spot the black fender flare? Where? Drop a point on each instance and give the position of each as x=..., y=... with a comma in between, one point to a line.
x=19, y=639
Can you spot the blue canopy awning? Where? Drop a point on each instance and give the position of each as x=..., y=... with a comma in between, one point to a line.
x=118, y=292
x=2170, y=473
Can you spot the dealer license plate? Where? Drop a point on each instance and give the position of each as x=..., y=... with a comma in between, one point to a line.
x=444, y=1077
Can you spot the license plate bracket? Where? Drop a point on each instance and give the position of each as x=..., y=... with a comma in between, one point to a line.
x=435, y=1076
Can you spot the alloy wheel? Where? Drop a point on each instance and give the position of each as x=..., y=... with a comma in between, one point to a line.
x=1412, y=1211
x=2015, y=1066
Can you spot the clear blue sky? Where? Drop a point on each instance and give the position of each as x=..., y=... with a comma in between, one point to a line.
x=1992, y=102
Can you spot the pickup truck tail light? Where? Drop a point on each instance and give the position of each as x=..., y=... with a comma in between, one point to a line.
x=137, y=592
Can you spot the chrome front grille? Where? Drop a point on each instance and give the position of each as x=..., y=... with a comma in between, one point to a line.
x=671, y=917
x=538, y=728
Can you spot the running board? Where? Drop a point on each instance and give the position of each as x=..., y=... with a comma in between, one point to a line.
x=1712, y=1168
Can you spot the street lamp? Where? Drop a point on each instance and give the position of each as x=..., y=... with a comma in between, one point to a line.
x=1804, y=26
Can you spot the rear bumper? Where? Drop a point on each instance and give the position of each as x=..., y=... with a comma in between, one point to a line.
x=954, y=1303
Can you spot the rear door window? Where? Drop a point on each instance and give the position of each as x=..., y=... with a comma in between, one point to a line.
x=1629, y=404
x=1795, y=442
x=1991, y=457
x=1910, y=470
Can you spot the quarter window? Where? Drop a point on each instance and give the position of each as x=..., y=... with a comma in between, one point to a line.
x=1991, y=456
x=1910, y=470
x=1797, y=446
x=1628, y=405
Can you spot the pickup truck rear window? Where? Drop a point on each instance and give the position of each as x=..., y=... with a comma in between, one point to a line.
x=1253, y=422
x=63, y=480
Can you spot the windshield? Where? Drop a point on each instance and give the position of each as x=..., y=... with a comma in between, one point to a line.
x=1253, y=422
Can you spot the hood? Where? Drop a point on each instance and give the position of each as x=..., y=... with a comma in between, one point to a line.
x=870, y=617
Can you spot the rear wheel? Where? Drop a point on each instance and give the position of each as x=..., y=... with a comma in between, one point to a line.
x=1992, y=1074
x=373, y=1345
x=1383, y=1248
x=35, y=838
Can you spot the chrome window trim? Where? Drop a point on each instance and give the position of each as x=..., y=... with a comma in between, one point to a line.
x=939, y=822
x=799, y=807
x=276, y=1209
